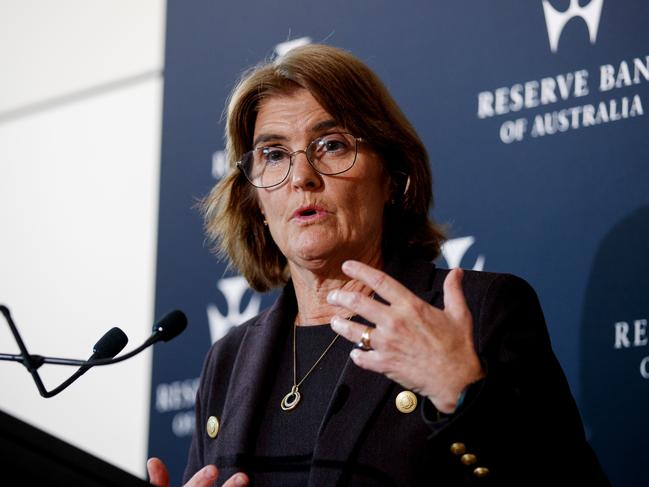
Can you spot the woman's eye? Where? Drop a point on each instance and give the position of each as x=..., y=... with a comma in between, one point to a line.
x=333, y=143
x=273, y=156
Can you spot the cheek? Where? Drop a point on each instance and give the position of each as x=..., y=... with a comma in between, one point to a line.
x=264, y=203
x=376, y=189
x=372, y=198
x=272, y=211
x=364, y=211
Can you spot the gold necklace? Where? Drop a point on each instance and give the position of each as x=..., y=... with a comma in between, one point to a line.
x=292, y=399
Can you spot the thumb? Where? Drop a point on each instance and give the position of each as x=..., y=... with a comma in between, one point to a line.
x=158, y=474
x=454, y=302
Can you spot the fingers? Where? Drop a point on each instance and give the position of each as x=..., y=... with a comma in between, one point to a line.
x=454, y=302
x=205, y=477
x=237, y=480
x=358, y=304
x=350, y=330
x=367, y=360
x=385, y=286
x=158, y=474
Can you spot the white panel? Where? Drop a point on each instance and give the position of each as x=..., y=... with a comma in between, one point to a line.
x=78, y=213
x=51, y=48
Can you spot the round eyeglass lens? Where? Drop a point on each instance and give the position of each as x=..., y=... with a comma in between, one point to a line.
x=266, y=166
x=332, y=153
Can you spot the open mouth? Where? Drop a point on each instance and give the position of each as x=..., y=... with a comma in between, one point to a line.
x=310, y=212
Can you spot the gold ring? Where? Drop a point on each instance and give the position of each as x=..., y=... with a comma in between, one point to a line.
x=365, y=344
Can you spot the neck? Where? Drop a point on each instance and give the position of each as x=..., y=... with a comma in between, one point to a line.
x=313, y=286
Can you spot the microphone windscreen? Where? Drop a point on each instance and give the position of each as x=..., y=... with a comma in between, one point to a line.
x=171, y=325
x=110, y=344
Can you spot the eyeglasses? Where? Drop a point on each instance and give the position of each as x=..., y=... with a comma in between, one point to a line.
x=331, y=154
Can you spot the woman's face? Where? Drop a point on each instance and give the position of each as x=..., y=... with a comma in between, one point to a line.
x=319, y=221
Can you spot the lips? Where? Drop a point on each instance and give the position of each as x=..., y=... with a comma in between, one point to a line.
x=310, y=212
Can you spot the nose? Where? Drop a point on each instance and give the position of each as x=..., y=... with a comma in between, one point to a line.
x=303, y=175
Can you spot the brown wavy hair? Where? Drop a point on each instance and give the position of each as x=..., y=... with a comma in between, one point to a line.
x=358, y=101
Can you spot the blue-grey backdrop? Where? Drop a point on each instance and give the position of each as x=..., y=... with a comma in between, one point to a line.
x=534, y=116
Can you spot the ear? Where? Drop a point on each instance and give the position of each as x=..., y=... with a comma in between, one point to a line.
x=263, y=215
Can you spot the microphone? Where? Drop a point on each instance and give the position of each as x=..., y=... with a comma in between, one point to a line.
x=109, y=345
x=113, y=342
x=104, y=351
x=170, y=326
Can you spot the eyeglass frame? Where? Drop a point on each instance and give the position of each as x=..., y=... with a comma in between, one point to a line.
x=239, y=163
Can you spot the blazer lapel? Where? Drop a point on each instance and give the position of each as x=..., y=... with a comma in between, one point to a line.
x=359, y=392
x=251, y=373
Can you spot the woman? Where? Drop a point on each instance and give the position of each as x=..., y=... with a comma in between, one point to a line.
x=373, y=367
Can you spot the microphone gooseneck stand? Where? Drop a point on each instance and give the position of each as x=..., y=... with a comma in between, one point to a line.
x=104, y=351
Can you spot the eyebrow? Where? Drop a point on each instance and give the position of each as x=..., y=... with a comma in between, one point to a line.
x=325, y=125
x=318, y=127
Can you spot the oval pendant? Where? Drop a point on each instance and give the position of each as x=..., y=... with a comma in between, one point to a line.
x=291, y=399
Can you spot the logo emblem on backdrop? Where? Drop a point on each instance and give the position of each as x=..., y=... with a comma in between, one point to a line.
x=556, y=21
x=219, y=164
x=454, y=249
x=284, y=47
x=233, y=289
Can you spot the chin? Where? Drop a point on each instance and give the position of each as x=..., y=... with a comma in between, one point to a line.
x=312, y=241
x=313, y=257
x=315, y=253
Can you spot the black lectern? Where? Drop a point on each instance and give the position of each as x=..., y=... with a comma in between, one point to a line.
x=29, y=456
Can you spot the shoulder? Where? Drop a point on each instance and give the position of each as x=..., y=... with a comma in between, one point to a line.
x=253, y=333
x=492, y=290
x=482, y=282
x=487, y=289
x=223, y=352
x=478, y=285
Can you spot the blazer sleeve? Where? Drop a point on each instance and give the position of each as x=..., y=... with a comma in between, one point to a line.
x=520, y=423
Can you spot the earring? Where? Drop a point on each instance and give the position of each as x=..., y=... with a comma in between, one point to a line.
x=405, y=190
x=396, y=197
x=265, y=222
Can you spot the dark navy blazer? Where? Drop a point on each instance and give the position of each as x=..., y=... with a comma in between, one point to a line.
x=520, y=423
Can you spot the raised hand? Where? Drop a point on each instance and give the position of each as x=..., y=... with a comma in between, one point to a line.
x=421, y=347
